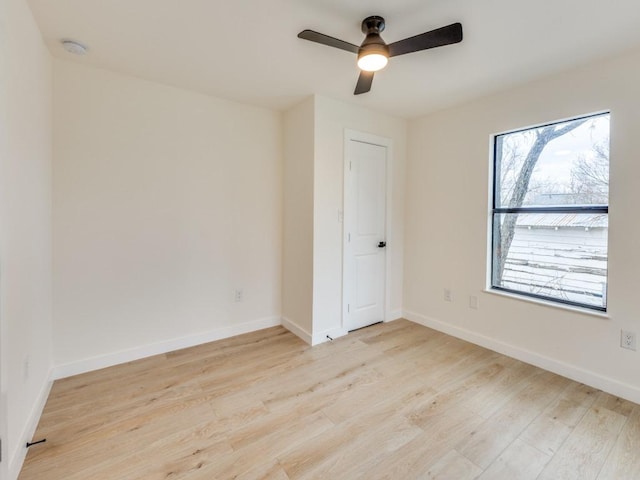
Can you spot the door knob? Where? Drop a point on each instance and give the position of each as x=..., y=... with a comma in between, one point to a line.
x=382, y=244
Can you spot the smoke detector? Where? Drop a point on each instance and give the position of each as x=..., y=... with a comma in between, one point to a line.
x=74, y=47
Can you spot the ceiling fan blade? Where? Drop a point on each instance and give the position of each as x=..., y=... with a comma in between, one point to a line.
x=364, y=82
x=435, y=38
x=327, y=40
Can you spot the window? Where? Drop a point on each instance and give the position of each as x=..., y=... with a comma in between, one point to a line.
x=551, y=212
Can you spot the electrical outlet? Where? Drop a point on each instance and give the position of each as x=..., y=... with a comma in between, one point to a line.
x=238, y=295
x=448, y=296
x=473, y=302
x=628, y=340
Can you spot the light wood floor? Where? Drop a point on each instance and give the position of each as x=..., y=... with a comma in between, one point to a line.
x=394, y=401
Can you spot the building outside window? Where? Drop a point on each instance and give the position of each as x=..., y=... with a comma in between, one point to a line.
x=550, y=212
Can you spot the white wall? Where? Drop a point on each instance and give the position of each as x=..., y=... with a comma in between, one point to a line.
x=447, y=218
x=313, y=200
x=25, y=229
x=297, y=245
x=165, y=201
x=331, y=119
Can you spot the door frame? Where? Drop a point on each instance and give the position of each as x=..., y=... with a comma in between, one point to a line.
x=362, y=137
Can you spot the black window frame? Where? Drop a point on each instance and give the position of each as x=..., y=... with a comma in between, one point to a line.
x=497, y=211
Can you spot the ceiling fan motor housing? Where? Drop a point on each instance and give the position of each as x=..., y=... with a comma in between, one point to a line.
x=373, y=24
x=373, y=43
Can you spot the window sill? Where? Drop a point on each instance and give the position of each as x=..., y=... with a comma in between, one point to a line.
x=571, y=308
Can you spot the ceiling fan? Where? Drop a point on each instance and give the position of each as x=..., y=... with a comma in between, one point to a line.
x=374, y=53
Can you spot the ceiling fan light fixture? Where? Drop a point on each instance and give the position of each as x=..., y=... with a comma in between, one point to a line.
x=373, y=55
x=372, y=62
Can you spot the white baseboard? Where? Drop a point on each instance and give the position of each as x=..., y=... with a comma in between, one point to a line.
x=316, y=338
x=123, y=356
x=297, y=330
x=573, y=372
x=328, y=335
x=16, y=458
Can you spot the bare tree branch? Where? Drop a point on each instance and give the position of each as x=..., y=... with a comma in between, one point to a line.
x=506, y=232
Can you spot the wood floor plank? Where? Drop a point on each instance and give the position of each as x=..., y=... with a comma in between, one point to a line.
x=310, y=457
x=441, y=433
x=624, y=459
x=274, y=445
x=548, y=432
x=498, y=390
x=380, y=394
x=485, y=444
x=381, y=439
x=68, y=450
x=519, y=461
x=170, y=457
x=613, y=403
x=583, y=454
x=393, y=401
x=70, y=457
x=458, y=393
x=453, y=465
x=265, y=471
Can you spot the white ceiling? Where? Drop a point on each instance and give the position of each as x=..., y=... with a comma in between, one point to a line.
x=247, y=50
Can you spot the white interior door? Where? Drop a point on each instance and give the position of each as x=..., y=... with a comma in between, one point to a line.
x=365, y=233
